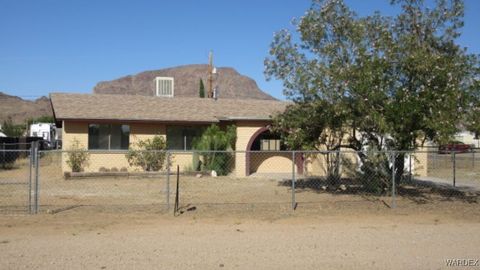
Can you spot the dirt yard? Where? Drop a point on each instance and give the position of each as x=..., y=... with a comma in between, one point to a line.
x=467, y=169
x=230, y=223
x=332, y=239
x=225, y=193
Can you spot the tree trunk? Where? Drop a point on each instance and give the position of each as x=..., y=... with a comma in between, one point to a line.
x=399, y=167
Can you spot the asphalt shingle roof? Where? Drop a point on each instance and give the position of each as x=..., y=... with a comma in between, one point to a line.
x=68, y=106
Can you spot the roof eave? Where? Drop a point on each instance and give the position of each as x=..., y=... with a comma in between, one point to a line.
x=134, y=120
x=244, y=118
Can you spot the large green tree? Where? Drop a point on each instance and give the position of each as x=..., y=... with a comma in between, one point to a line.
x=388, y=83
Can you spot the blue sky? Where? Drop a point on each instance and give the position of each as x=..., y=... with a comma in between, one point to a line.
x=69, y=46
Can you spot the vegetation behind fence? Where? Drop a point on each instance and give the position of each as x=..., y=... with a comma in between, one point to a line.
x=33, y=181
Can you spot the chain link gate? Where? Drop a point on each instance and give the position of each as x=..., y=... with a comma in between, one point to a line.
x=18, y=179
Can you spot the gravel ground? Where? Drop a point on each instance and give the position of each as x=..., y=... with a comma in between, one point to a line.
x=75, y=240
x=235, y=224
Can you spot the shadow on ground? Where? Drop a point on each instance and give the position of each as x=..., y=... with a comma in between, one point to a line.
x=416, y=191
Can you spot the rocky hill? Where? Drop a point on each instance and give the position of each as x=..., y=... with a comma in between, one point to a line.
x=20, y=109
x=230, y=83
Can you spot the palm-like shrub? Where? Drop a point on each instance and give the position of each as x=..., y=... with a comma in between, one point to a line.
x=213, y=140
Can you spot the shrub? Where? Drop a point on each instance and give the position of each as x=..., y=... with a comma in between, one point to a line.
x=77, y=156
x=196, y=162
x=12, y=130
x=7, y=158
x=215, y=139
x=149, y=154
x=374, y=173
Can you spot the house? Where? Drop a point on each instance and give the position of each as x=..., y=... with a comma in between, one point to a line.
x=103, y=123
x=107, y=124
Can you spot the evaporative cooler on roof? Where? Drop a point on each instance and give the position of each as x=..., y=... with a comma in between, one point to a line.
x=164, y=87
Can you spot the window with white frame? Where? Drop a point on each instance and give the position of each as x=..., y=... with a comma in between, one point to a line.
x=164, y=87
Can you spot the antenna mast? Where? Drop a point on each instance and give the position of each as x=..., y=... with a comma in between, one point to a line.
x=210, y=75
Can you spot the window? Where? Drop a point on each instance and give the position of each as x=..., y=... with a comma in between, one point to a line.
x=181, y=137
x=108, y=136
x=269, y=145
x=164, y=86
x=268, y=142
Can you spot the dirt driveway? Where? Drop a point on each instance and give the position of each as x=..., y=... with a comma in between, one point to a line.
x=340, y=239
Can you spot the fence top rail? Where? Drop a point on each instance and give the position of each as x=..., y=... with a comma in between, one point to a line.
x=15, y=143
x=250, y=152
x=15, y=150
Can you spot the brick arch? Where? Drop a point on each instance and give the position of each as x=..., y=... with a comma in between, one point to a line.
x=254, y=136
x=298, y=157
x=249, y=147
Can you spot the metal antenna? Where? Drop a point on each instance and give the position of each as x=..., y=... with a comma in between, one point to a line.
x=211, y=72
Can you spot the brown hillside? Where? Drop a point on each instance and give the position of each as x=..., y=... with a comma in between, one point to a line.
x=231, y=84
x=20, y=110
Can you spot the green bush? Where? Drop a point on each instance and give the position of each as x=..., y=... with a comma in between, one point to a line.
x=374, y=174
x=77, y=156
x=11, y=129
x=216, y=139
x=149, y=154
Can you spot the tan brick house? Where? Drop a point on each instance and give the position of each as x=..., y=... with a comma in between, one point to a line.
x=107, y=124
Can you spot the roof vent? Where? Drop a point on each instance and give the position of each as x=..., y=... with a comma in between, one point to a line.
x=164, y=86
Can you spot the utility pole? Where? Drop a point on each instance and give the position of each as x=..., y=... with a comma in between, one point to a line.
x=211, y=71
x=210, y=75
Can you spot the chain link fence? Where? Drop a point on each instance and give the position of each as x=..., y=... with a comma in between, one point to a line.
x=232, y=181
x=16, y=185
x=36, y=181
x=105, y=181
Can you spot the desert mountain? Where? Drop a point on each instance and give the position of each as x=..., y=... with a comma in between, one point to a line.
x=230, y=83
x=20, y=109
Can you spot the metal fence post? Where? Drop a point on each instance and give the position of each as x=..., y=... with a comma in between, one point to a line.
x=337, y=165
x=454, y=168
x=394, y=203
x=30, y=210
x=410, y=167
x=4, y=161
x=36, y=184
x=293, y=181
x=473, y=159
x=168, y=181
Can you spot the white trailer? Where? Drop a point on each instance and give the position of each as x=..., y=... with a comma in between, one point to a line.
x=47, y=131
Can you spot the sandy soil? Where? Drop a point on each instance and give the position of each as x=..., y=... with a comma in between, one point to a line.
x=231, y=223
x=339, y=240
x=467, y=169
x=225, y=193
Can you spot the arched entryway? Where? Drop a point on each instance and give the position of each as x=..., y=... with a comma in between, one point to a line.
x=267, y=154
